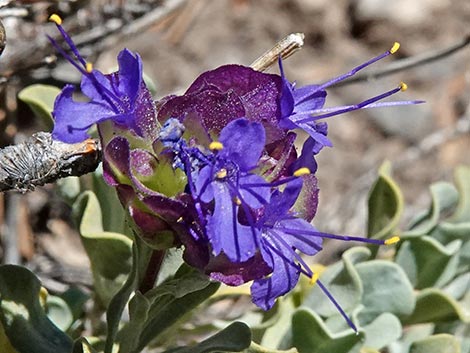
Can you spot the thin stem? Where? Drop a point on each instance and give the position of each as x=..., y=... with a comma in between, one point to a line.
x=152, y=270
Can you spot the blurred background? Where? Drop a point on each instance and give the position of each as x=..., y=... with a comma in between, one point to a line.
x=180, y=39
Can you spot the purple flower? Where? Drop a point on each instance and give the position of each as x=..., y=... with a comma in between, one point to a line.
x=121, y=97
x=228, y=181
x=282, y=233
x=303, y=107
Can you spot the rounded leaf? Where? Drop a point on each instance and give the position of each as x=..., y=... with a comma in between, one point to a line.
x=462, y=179
x=59, y=312
x=444, y=196
x=25, y=323
x=342, y=281
x=109, y=253
x=386, y=289
x=442, y=343
x=433, y=305
x=310, y=335
x=234, y=338
x=427, y=262
x=384, y=330
x=40, y=99
x=385, y=205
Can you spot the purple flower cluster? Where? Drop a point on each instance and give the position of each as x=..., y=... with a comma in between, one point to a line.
x=215, y=169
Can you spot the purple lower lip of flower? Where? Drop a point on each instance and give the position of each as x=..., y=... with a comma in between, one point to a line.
x=121, y=97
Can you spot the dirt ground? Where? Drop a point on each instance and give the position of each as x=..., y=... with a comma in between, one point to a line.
x=424, y=143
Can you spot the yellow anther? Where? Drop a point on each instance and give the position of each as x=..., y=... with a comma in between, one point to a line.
x=403, y=86
x=89, y=67
x=56, y=19
x=314, y=278
x=180, y=220
x=392, y=240
x=302, y=171
x=221, y=173
x=237, y=201
x=216, y=146
x=395, y=48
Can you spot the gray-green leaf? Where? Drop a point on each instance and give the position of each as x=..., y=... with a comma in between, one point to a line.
x=24, y=320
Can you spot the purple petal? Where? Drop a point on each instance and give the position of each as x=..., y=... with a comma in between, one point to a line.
x=282, y=202
x=130, y=74
x=121, y=97
x=307, y=158
x=203, y=184
x=214, y=109
x=145, y=114
x=287, y=95
x=308, y=98
x=284, y=277
x=95, y=85
x=243, y=143
x=255, y=197
x=316, y=133
x=301, y=240
x=225, y=233
x=73, y=119
x=241, y=79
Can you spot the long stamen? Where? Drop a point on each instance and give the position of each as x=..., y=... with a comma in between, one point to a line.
x=66, y=56
x=303, y=268
x=353, y=107
x=336, y=304
x=236, y=237
x=391, y=51
x=58, y=22
x=298, y=173
x=278, y=252
x=272, y=184
x=388, y=241
x=85, y=68
x=297, y=256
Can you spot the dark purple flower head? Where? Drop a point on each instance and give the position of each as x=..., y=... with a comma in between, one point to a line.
x=121, y=97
